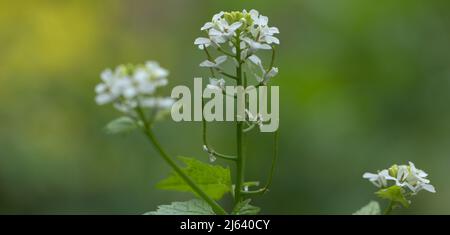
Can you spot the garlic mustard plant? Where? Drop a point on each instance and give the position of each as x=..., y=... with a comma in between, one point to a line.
x=239, y=36
x=231, y=38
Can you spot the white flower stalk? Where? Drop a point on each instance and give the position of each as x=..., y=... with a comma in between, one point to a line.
x=406, y=176
x=130, y=86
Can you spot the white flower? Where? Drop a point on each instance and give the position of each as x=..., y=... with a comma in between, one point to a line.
x=265, y=75
x=379, y=179
x=416, y=180
x=416, y=174
x=427, y=187
x=202, y=42
x=262, y=34
x=223, y=32
x=215, y=20
x=219, y=31
x=130, y=86
x=216, y=84
x=217, y=62
x=255, y=46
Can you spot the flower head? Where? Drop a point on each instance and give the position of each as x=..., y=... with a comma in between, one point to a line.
x=407, y=177
x=245, y=32
x=250, y=27
x=129, y=86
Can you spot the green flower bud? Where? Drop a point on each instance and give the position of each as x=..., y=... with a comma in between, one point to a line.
x=237, y=16
x=393, y=170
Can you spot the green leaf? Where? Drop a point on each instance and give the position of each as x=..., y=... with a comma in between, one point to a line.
x=121, y=125
x=192, y=207
x=373, y=208
x=213, y=179
x=244, y=208
x=394, y=193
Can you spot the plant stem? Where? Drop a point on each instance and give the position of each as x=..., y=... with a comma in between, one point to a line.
x=388, y=209
x=148, y=132
x=272, y=170
x=205, y=141
x=240, y=161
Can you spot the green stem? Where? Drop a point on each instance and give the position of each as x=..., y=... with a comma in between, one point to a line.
x=272, y=170
x=225, y=52
x=240, y=162
x=148, y=132
x=209, y=149
x=388, y=209
x=226, y=74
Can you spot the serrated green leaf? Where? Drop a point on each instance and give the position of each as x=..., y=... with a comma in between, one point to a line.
x=213, y=179
x=121, y=125
x=394, y=193
x=244, y=208
x=192, y=207
x=373, y=208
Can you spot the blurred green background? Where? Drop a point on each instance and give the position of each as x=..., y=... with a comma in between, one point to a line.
x=364, y=84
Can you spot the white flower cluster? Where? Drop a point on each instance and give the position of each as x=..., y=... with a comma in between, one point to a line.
x=252, y=28
x=130, y=86
x=405, y=176
x=247, y=30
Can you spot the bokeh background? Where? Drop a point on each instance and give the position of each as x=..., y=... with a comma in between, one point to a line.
x=364, y=84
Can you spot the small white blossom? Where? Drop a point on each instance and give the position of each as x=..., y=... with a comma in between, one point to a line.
x=202, y=42
x=262, y=34
x=416, y=180
x=216, y=63
x=130, y=86
x=216, y=84
x=379, y=179
x=265, y=75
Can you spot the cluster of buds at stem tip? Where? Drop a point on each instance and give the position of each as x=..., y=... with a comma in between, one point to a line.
x=132, y=86
x=247, y=32
x=408, y=177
